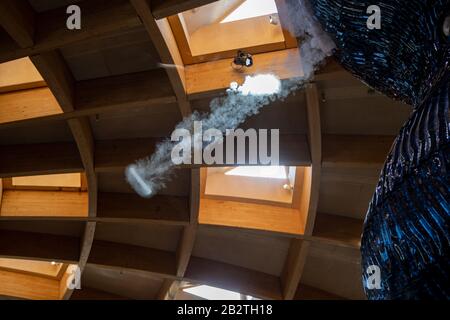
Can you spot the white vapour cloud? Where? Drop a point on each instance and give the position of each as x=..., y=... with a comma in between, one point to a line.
x=149, y=175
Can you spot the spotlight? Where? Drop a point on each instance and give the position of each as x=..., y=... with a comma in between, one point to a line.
x=242, y=59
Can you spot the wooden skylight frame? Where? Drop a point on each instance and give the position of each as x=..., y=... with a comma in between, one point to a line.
x=220, y=41
x=38, y=200
x=260, y=215
x=33, y=279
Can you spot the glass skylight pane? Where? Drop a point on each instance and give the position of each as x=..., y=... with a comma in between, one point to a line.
x=252, y=9
x=271, y=172
x=212, y=293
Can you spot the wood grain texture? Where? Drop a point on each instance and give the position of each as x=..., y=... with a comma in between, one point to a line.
x=211, y=77
x=18, y=203
x=19, y=74
x=99, y=17
x=250, y=216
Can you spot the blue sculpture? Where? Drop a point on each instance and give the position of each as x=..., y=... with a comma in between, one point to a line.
x=406, y=231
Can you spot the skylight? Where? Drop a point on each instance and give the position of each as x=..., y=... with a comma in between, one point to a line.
x=271, y=172
x=212, y=293
x=252, y=9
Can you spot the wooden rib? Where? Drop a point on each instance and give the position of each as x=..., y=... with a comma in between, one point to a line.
x=100, y=17
x=168, y=290
x=209, y=78
x=129, y=207
x=19, y=75
x=17, y=18
x=39, y=246
x=124, y=256
x=315, y=146
x=298, y=250
x=39, y=159
x=230, y=277
x=165, y=43
x=58, y=77
x=165, y=8
x=62, y=84
x=355, y=151
x=187, y=240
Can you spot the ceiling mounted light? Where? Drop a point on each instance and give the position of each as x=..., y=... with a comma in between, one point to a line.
x=242, y=59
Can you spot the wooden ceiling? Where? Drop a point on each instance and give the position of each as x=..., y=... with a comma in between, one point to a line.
x=99, y=101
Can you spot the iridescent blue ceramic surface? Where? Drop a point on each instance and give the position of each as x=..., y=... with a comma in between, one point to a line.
x=406, y=231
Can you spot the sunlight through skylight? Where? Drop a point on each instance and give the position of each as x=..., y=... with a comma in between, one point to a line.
x=252, y=9
x=271, y=172
x=212, y=293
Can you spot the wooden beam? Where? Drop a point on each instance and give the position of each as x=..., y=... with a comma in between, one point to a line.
x=230, y=277
x=159, y=209
x=39, y=159
x=112, y=208
x=209, y=78
x=355, y=151
x=39, y=246
x=20, y=106
x=100, y=17
x=123, y=256
x=162, y=37
x=293, y=267
x=39, y=204
x=168, y=289
x=148, y=88
x=315, y=146
x=18, y=19
x=115, y=155
x=144, y=89
x=165, y=8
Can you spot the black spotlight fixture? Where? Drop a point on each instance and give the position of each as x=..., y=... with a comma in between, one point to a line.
x=242, y=59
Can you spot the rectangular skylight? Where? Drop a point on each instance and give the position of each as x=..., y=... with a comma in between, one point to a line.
x=251, y=9
x=271, y=172
x=212, y=293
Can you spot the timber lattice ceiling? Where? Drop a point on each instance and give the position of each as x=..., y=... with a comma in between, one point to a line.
x=99, y=101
